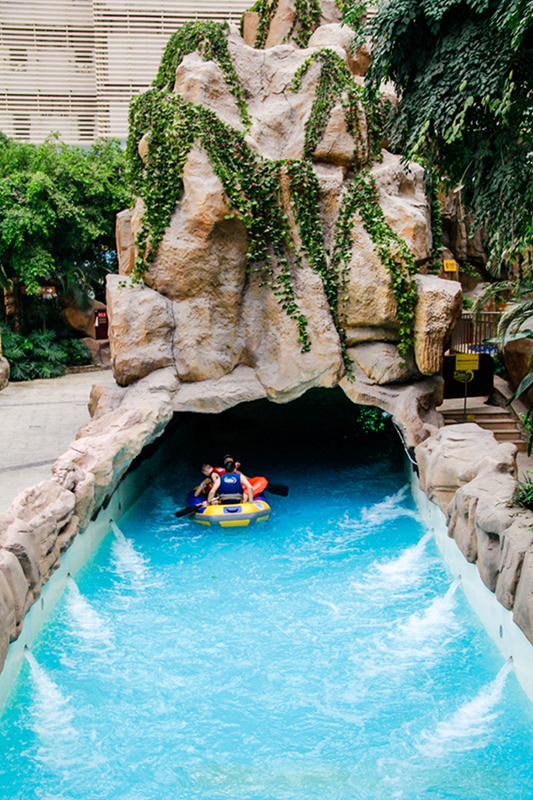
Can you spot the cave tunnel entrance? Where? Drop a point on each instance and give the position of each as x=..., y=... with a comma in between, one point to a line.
x=323, y=427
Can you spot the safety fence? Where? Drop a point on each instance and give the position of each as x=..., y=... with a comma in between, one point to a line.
x=472, y=331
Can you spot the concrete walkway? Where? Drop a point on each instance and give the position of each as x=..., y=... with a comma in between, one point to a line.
x=38, y=421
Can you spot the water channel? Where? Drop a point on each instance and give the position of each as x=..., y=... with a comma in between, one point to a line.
x=327, y=653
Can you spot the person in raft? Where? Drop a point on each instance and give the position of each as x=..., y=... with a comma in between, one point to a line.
x=230, y=486
x=207, y=470
x=207, y=483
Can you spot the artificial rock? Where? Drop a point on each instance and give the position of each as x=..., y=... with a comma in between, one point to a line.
x=205, y=314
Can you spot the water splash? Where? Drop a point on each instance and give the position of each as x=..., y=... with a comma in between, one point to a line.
x=86, y=623
x=435, y=619
x=128, y=562
x=373, y=517
x=51, y=715
x=407, y=566
x=389, y=509
x=469, y=727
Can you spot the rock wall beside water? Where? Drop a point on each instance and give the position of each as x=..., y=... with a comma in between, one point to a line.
x=472, y=478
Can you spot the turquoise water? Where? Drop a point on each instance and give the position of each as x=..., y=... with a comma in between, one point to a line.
x=326, y=654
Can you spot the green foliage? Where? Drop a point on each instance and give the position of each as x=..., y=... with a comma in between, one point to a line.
x=266, y=10
x=462, y=70
x=210, y=40
x=500, y=368
x=353, y=12
x=41, y=354
x=362, y=196
x=371, y=419
x=523, y=495
x=254, y=188
x=57, y=212
x=305, y=196
x=306, y=20
x=431, y=187
x=336, y=84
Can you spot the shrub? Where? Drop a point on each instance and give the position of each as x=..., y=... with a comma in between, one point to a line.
x=41, y=354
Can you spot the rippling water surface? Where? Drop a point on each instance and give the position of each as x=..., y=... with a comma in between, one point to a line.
x=326, y=654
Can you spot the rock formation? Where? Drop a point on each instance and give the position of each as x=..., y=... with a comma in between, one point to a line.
x=202, y=310
x=472, y=478
x=44, y=519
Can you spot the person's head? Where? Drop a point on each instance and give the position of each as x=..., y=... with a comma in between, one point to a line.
x=207, y=469
x=229, y=465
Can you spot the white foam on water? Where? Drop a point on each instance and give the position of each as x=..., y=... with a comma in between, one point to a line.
x=434, y=620
x=128, y=562
x=408, y=565
x=333, y=607
x=389, y=509
x=469, y=728
x=373, y=517
x=86, y=622
x=51, y=716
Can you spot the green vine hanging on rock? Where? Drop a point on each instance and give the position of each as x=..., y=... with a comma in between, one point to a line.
x=307, y=15
x=253, y=185
x=362, y=196
x=306, y=20
x=431, y=188
x=266, y=10
x=335, y=84
x=210, y=40
x=305, y=193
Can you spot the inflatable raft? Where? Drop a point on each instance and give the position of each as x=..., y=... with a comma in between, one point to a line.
x=234, y=515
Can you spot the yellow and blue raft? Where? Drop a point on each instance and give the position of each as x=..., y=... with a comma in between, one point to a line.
x=235, y=515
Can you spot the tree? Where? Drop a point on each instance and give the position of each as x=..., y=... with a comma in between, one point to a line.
x=463, y=71
x=57, y=213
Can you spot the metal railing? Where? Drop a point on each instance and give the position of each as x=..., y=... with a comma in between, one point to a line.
x=472, y=331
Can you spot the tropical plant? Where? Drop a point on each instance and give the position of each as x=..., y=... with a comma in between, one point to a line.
x=523, y=495
x=41, y=354
x=462, y=71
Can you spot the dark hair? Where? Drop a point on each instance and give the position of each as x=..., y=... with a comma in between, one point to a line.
x=229, y=465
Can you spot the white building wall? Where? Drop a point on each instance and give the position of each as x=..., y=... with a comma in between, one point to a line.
x=72, y=66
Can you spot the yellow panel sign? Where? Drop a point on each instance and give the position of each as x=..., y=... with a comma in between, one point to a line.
x=450, y=265
x=466, y=361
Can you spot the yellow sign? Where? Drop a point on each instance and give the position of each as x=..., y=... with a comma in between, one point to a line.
x=450, y=265
x=467, y=361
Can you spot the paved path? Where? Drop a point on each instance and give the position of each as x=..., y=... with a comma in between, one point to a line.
x=38, y=421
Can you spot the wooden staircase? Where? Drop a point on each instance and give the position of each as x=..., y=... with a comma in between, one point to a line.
x=501, y=421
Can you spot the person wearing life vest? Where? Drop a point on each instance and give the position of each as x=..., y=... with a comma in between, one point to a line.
x=230, y=486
